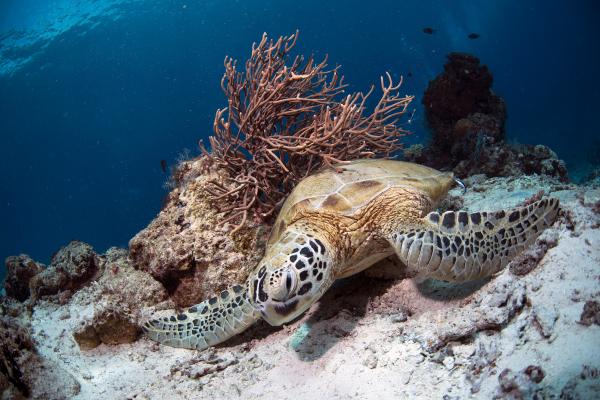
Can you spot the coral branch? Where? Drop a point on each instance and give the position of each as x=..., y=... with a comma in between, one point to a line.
x=283, y=122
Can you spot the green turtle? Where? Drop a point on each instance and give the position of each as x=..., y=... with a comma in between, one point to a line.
x=342, y=220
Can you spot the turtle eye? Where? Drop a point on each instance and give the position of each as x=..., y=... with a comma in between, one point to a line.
x=289, y=280
x=285, y=285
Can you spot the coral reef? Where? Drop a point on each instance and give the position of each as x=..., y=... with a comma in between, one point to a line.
x=366, y=338
x=467, y=123
x=285, y=119
x=116, y=292
x=106, y=300
x=71, y=329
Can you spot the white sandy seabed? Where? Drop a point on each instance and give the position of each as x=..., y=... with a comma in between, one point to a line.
x=375, y=339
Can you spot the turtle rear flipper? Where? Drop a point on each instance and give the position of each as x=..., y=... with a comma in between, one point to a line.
x=206, y=324
x=461, y=246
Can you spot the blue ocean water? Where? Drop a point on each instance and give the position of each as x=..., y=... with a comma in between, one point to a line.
x=95, y=93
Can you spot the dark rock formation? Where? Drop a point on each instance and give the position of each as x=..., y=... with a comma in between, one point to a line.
x=20, y=270
x=71, y=267
x=462, y=110
x=118, y=295
x=467, y=123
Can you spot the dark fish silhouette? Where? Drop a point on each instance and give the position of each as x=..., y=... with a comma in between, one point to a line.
x=163, y=165
x=428, y=30
x=409, y=74
x=474, y=35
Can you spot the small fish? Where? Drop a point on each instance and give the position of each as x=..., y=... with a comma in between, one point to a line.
x=409, y=74
x=474, y=35
x=163, y=165
x=428, y=30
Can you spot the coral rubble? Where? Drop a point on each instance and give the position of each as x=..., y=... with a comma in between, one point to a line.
x=590, y=314
x=112, y=291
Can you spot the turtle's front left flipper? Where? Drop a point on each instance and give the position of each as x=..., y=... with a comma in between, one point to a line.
x=206, y=324
x=461, y=246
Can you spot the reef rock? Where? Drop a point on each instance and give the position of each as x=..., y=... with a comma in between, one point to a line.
x=107, y=286
x=71, y=267
x=487, y=309
x=116, y=300
x=187, y=248
x=110, y=325
x=20, y=270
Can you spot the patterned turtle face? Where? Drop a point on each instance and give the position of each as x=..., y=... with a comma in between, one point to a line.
x=293, y=277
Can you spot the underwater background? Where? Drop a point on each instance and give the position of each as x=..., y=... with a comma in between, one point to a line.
x=94, y=94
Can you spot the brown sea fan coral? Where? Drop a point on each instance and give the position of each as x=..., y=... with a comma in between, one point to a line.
x=283, y=122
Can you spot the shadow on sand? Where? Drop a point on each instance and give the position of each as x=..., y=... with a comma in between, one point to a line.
x=342, y=307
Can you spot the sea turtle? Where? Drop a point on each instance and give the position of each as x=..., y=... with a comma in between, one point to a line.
x=341, y=221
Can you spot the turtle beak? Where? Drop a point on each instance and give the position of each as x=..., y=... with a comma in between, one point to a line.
x=279, y=312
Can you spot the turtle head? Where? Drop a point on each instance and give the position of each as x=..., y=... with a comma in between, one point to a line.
x=293, y=275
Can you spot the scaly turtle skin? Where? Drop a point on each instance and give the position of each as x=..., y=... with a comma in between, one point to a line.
x=341, y=221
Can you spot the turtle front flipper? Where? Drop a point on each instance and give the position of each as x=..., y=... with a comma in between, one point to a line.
x=461, y=246
x=206, y=324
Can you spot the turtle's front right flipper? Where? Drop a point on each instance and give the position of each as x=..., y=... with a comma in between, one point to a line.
x=461, y=246
x=206, y=324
